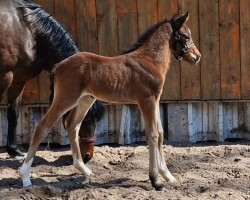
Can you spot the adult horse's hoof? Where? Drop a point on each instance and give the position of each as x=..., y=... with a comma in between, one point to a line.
x=15, y=153
x=158, y=185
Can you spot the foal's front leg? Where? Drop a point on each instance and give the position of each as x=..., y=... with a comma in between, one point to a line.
x=148, y=108
x=163, y=170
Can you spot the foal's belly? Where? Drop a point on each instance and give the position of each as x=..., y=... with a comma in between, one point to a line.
x=113, y=96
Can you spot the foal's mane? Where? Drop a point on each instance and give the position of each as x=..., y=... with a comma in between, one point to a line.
x=48, y=28
x=145, y=36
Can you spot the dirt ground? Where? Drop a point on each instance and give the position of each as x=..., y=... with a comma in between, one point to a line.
x=203, y=171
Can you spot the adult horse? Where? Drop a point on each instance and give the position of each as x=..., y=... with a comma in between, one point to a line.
x=135, y=77
x=31, y=40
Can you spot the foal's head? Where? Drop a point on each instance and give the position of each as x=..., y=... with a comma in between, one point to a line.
x=181, y=42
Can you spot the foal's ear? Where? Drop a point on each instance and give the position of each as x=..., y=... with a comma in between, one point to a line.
x=180, y=20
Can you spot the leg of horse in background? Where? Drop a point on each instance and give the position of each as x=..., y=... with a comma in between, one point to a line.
x=59, y=107
x=148, y=109
x=14, y=95
x=73, y=124
x=163, y=170
x=5, y=82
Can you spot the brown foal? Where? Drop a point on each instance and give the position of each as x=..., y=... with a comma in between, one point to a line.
x=135, y=77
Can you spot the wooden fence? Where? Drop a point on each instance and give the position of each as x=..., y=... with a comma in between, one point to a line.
x=220, y=29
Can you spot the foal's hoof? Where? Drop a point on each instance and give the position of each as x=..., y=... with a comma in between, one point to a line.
x=159, y=186
x=26, y=181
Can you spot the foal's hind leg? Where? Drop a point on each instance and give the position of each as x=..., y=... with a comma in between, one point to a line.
x=163, y=170
x=60, y=106
x=73, y=124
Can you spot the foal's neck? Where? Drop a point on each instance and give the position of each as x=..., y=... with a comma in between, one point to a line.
x=157, y=48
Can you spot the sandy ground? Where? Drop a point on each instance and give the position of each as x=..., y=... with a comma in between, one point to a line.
x=204, y=171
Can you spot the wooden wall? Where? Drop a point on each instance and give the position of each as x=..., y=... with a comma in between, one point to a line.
x=220, y=29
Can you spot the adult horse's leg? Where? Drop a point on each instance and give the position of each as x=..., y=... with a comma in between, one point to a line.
x=5, y=82
x=148, y=108
x=73, y=124
x=163, y=170
x=14, y=95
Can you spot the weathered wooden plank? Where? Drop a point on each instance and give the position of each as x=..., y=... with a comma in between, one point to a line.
x=205, y=120
x=245, y=48
x=191, y=124
x=86, y=23
x=44, y=87
x=147, y=14
x=178, y=122
x=65, y=14
x=31, y=92
x=172, y=86
x=4, y=126
x=190, y=74
x=107, y=27
x=247, y=120
x=235, y=130
x=44, y=77
x=25, y=125
x=127, y=23
x=219, y=122
x=229, y=49
x=209, y=46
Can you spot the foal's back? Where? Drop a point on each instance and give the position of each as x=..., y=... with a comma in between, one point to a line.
x=119, y=79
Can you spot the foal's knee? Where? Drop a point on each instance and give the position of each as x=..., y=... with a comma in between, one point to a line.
x=153, y=139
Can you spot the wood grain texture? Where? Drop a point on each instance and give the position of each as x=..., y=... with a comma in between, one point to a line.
x=190, y=74
x=86, y=23
x=147, y=14
x=229, y=49
x=171, y=88
x=245, y=47
x=107, y=27
x=209, y=47
x=65, y=14
x=127, y=23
